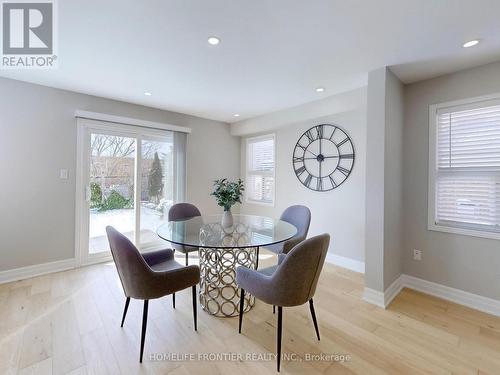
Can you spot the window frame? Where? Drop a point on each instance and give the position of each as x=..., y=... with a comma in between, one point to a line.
x=262, y=173
x=463, y=229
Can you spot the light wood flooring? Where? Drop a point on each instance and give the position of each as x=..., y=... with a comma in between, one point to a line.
x=69, y=323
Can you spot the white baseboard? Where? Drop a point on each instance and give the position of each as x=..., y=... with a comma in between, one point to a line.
x=393, y=290
x=36, y=270
x=374, y=297
x=351, y=264
x=383, y=299
x=474, y=301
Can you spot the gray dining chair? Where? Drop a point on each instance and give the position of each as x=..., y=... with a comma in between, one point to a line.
x=292, y=283
x=182, y=211
x=300, y=217
x=149, y=276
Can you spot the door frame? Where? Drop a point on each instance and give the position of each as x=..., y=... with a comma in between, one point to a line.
x=84, y=129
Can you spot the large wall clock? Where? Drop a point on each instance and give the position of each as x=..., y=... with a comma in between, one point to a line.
x=323, y=157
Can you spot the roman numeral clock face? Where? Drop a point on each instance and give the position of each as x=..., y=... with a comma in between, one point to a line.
x=323, y=157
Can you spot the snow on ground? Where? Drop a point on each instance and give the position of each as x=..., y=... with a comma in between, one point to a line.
x=123, y=220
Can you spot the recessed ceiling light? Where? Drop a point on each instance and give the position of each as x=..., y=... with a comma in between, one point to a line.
x=147, y=93
x=320, y=89
x=236, y=115
x=213, y=40
x=471, y=43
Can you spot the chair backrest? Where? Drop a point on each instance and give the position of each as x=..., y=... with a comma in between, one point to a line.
x=296, y=278
x=300, y=217
x=131, y=266
x=180, y=211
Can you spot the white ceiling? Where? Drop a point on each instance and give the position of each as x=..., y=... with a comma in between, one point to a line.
x=273, y=54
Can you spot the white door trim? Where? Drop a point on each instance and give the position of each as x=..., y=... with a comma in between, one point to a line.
x=85, y=127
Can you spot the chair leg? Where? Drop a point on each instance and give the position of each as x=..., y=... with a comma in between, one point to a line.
x=257, y=259
x=187, y=259
x=144, y=324
x=173, y=294
x=242, y=304
x=280, y=322
x=127, y=301
x=274, y=309
x=194, y=308
x=311, y=306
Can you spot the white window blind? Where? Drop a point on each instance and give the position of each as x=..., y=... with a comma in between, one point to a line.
x=260, y=170
x=467, y=183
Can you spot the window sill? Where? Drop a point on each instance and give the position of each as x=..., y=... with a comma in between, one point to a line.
x=463, y=231
x=269, y=204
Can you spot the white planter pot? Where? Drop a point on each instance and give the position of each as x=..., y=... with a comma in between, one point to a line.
x=227, y=219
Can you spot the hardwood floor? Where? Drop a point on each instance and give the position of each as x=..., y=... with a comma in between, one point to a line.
x=69, y=323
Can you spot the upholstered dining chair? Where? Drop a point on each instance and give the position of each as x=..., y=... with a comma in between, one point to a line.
x=292, y=283
x=149, y=276
x=300, y=217
x=182, y=211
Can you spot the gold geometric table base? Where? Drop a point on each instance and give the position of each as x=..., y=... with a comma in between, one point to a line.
x=219, y=293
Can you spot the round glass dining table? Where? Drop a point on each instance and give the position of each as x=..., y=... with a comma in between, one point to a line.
x=222, y=249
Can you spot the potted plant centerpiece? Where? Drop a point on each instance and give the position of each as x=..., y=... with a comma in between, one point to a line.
x=227, y=194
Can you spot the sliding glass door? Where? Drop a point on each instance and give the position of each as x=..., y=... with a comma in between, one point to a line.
x=130, y=177
x=110, y=188
x=157, y=187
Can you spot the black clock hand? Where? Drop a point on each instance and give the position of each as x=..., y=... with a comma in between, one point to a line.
x=312, y=153
x=324, y=157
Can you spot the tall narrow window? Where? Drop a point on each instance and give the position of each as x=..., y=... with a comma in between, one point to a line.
x=260, y=170
x=465, y=169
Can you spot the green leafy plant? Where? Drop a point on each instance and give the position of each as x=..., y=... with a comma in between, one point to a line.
x=115, y=201
x=95, y=195
x=228, y=193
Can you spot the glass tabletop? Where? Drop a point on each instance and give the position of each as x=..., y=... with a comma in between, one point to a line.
x=207, y=231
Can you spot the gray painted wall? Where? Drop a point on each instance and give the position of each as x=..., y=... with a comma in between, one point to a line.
x=38, y=137
x=383, y=179
x=467, y=263
x=375, y=146
x=393, y=178
x=339, y=212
